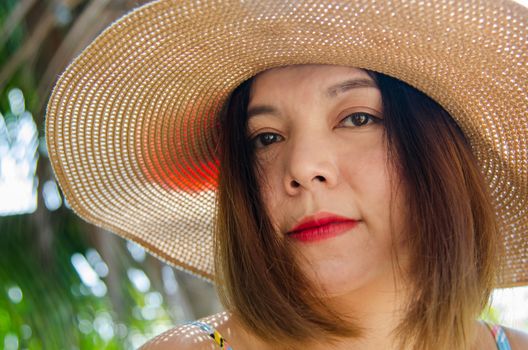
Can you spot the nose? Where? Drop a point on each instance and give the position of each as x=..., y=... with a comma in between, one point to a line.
x=311, y=164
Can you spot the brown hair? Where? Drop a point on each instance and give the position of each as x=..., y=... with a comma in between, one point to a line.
x=451, y=232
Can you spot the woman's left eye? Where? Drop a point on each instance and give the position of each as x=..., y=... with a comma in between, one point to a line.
x=359, y=119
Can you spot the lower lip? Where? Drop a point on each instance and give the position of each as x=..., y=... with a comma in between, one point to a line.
x=320, y=233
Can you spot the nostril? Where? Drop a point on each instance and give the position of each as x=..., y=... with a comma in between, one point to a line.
x=294, y=184
x=320, y=178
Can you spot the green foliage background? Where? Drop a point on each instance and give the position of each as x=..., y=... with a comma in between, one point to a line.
x=44, y=302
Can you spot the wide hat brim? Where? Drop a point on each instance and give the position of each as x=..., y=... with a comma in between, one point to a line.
x=131, y=124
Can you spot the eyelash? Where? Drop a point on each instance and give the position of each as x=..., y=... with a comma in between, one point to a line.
x=259, y=137
x=370, y=118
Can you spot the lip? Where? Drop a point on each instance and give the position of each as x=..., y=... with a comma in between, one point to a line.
x=321, y=226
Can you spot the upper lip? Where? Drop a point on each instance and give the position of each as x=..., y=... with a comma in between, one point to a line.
x=318, y=219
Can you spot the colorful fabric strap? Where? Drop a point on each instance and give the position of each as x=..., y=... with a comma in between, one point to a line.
x=500, y=336
x=213, y=333
x=496, y=330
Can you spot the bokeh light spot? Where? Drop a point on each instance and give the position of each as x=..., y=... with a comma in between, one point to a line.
x=15, y=294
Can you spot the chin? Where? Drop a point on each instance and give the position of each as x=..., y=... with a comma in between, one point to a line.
x=338, y=283
x=333, y=280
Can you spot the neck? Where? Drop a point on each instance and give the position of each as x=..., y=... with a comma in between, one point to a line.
x=377, y=308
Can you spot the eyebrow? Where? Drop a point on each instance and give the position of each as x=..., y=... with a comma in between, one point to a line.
x=331, y=92
x=261, y=109
x=350, y=84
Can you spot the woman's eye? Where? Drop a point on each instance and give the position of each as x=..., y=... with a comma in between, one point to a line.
x=266, y=139
x=359, y=119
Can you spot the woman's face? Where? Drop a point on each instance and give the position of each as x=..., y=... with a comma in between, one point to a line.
x=319, y=141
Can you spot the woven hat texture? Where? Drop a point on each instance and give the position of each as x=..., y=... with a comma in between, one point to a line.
x=131, y=122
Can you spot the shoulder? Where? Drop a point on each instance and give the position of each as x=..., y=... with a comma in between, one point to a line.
x=518, y=339
x=189, y=336
x=181, y=337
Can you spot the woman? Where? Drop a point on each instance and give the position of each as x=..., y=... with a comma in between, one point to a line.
x=353, y=211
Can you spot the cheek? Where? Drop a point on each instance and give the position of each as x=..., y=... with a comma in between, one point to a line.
x=270, y=187
x=382, y=204
x=367, y=175
x=377, y=192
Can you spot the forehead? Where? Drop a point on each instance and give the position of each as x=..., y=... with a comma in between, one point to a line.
x=316, y=76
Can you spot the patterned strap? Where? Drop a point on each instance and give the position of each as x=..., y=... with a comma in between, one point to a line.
x=496, y=330
x=213, y=333
x=500, y=336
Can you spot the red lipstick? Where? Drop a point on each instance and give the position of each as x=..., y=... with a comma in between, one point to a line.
x=321, y=226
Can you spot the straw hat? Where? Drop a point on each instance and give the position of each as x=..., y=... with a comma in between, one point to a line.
x=131, y=122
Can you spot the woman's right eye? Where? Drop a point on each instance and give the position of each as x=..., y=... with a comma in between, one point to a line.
x=265, y=139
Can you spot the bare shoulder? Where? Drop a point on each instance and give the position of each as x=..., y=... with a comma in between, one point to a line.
x=518, y=339
x=181, y=337
x=188, y=336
